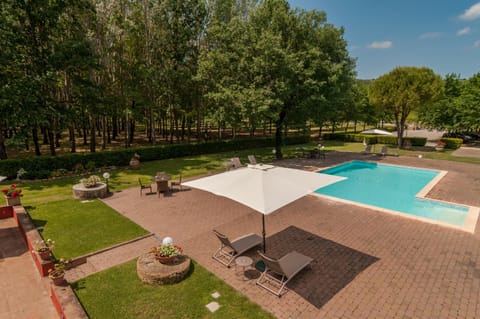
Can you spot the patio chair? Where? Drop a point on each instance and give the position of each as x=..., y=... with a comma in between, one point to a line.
x=236, y=162
x=178, y=183
x=368, y=149
x=252, y=159
x=144, y=186
x=230, y=250
x=383, y=151
x=278, y=272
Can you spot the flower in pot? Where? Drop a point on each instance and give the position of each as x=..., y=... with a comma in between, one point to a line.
x=90, y=181
x=57, y=274
x=13, y=195
x=44, y=248
x=167, y=252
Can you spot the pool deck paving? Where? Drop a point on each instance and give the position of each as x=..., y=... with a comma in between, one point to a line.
x=367, y=264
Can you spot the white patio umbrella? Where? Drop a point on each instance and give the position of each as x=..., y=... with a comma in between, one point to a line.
x=376, y=131
x=265, y=188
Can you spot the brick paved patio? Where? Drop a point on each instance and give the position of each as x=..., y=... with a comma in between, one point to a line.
x=367, y=264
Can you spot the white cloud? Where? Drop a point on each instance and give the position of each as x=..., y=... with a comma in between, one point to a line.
x=380, y=44
x=430, y=35
x=464, y=31
x=471, y=13
x=476, y=44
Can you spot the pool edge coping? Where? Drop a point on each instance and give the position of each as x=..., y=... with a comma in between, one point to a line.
x=471, y=218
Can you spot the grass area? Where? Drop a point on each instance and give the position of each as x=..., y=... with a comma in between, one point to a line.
x=79, y=228
x=118, y=293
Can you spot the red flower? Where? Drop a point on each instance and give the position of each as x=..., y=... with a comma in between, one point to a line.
x=12, y=191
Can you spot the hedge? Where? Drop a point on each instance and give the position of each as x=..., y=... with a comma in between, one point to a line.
x=373, y=139
x=42, y=167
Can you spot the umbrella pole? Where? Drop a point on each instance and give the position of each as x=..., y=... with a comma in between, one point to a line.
x=263, y=232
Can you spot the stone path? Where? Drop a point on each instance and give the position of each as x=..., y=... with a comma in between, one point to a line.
x=110, y=258
x=23, y=293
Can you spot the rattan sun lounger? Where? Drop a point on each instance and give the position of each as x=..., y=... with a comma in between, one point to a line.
x=278, y=272
x=230, y=250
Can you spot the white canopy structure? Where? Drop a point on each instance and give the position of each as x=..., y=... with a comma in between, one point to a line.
x=264, y=188
x=376, y=131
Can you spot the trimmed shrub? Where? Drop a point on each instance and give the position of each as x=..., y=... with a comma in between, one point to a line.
x=452, y=143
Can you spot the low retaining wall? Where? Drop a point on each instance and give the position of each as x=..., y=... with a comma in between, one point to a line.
x=63, y=297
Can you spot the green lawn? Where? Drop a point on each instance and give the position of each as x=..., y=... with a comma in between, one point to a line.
x=118, y=293
x=80, y=228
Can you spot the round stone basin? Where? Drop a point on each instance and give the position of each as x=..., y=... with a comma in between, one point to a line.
x=82, y=192
x=153, y=272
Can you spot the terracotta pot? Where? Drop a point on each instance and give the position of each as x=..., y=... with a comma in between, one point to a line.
x=134, y=163
x=57, y=277
x=166, y=260
x=45, y=253
x=13, y=201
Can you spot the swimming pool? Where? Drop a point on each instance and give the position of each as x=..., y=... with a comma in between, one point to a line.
x=394, y=188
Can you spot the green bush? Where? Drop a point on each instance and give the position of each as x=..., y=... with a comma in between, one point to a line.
x=416, y=141
x=41, y=167
x=452, y=143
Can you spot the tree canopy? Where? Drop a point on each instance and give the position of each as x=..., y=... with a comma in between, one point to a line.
x=403, y=90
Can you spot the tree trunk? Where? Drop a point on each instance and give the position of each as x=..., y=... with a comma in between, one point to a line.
x=71, y=136
x=3, y=149
x=35, y=141
x=278, y=134
x=51, y=139
x=92, y=135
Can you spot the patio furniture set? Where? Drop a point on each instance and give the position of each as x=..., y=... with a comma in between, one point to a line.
x=276, y=273
x=163, y=182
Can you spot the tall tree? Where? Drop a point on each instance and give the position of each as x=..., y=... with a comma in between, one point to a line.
x=403, y=90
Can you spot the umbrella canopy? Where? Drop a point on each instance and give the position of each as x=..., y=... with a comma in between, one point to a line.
x=265, y=188
x=376, y=131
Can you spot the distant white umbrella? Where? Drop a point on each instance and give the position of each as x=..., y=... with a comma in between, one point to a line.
x=376, y=131
x=265, y=188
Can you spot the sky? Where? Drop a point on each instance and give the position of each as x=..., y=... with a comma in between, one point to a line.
x=443, y=35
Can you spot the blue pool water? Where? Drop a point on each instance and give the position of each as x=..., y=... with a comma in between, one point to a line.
x=392, y=188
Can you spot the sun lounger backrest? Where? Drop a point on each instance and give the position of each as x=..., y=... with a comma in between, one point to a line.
x=224, y=239
x=271, y=263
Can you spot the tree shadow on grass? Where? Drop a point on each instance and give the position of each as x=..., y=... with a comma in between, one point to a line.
x=333, y=268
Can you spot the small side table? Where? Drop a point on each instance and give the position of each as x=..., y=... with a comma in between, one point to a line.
x=243, y=262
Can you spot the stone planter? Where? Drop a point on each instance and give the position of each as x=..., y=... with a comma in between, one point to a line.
x=82, y=192
x=13, y=201
x=439, y=148
x=152, y=272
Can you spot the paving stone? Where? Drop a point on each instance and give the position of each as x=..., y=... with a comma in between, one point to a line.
x=213, y=306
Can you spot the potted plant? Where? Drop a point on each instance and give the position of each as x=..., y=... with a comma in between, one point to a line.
x=44, y=248
x=12, y=195
x=57, y=274
x=90, y=181
x=166, y=253
x=135, y=161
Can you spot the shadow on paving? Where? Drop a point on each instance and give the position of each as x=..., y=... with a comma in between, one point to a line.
x=12, y=244
x=334, y=265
